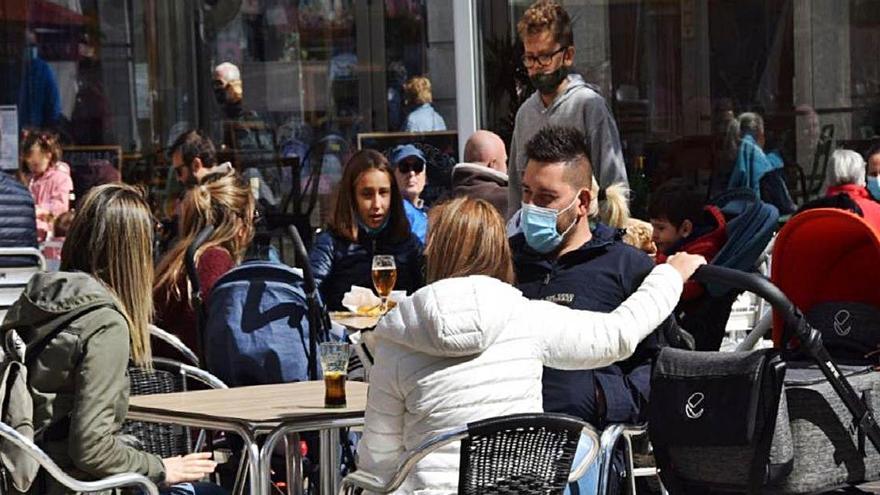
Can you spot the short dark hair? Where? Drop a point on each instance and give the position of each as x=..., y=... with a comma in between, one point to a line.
x=675, y=201
x=554, y=144
x=547, y=15
x=193, y=144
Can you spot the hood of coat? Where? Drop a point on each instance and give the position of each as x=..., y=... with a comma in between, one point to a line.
x=466, y=174
x=52, y=297
x=453, y=317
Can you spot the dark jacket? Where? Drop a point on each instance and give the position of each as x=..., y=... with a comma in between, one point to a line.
x=338, y=264
x=18, y=225
x=80, y=380
x=479, y=181
x=598, y=276
x=709, y=236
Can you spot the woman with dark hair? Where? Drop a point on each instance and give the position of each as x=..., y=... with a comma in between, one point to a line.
x=368, y=220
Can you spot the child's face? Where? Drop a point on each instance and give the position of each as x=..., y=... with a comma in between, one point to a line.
x=667, y=235
x=37, y=161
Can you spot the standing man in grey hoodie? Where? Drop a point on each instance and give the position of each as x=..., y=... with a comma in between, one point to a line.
x=562, y=98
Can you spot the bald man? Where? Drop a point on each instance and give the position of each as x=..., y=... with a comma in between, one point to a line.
x=484, y=172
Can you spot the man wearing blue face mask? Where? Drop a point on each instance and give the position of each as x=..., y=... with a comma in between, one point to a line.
x=559, y=258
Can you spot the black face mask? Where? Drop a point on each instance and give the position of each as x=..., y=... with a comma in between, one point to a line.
x=220, y=95
x=548, y=83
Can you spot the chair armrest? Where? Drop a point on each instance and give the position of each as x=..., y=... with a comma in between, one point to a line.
x=364, y=481
x=175, y=342
x=371, y=482
x=116, y=481
x=579, y=470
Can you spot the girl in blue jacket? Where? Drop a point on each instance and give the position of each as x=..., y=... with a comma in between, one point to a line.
x=368, y=220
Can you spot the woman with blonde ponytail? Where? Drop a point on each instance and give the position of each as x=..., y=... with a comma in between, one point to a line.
x=83, y=327
x=226, y=203
x=610, y=205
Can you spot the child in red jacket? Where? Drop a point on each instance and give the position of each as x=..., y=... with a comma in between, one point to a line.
x=682, y=223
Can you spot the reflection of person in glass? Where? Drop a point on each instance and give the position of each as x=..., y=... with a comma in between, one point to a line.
x=423, y=117
x=245, y=135
x=91, y=113
x=39, y=102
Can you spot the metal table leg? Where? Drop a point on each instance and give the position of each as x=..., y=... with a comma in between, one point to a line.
x=330, y=479
x=258, y=470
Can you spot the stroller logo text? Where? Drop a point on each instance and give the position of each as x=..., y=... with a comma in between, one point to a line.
x=693, y=408
x=842, y=323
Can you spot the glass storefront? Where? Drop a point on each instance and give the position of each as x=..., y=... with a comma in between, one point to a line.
x=317, y=73
x=136, y=73
x=675, y=72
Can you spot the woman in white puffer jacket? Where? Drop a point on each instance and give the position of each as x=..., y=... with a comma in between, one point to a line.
x=469, y=346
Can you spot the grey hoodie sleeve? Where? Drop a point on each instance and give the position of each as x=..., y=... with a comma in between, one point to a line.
x=604, y=142
x=514, y=180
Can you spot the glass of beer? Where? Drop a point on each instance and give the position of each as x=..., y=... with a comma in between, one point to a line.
x=384, y=277
x=334, y=364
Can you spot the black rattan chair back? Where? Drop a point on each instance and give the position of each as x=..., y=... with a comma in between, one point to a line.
x=524, y=453
x=160, y=439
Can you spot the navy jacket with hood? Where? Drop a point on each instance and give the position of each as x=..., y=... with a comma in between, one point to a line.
x=339, y=263
x=598, y=276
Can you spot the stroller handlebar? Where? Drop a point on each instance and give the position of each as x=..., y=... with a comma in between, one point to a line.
x=191, y=268
x=757, y=284
x=810, y=339
x=302, y=258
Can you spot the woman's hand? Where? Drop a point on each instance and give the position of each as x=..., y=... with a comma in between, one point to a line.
x=192, y=467
x=686, y=264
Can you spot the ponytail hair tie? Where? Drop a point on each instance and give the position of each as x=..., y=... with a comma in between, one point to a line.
x=602, y=195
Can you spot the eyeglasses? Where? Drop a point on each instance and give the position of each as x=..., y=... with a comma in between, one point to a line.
x=411, y=165
x=542, y=60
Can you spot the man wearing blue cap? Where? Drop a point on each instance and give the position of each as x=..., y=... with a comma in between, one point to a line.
x=409, y=171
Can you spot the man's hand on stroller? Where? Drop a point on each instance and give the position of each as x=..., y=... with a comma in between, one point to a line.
x=685, y=263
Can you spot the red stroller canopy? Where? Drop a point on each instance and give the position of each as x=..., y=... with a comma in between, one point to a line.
x=826, y=255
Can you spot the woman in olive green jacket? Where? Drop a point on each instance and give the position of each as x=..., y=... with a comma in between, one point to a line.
x=80, y=381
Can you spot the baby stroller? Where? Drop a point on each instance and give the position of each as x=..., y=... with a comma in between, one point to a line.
x=264, y=322
x=828, y=263
x=262, y=325
x=787, y=419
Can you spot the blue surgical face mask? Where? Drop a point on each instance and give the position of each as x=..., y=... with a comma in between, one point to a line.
x=539, y=226
x=373, y=231
x=874, y=186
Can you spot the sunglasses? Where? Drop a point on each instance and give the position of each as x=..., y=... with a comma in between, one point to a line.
x=406, y=166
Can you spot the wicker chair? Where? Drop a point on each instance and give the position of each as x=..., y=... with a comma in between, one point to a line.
x=521, y=453
x=116, y=481
x=166, y=376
